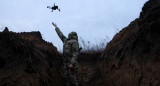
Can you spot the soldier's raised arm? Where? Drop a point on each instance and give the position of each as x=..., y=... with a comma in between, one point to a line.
x=60, y=34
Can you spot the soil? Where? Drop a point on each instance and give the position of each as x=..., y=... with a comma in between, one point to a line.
x=132, y=58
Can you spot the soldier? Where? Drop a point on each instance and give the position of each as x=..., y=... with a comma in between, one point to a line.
x=70, y=54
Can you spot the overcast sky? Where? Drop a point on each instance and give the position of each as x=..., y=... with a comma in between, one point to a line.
x=91, y=19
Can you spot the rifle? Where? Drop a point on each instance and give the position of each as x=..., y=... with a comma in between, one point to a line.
x=79, y=50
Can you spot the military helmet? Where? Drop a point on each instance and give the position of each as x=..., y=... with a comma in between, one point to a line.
x=72, y=34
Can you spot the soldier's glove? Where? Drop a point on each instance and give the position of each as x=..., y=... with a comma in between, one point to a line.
x=54, y=24
x=70, y=66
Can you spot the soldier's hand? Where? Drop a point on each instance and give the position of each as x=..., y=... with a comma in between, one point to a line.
x=54, y=24
x=70, y=65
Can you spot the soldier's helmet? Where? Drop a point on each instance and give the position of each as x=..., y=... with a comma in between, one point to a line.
x=73, y=35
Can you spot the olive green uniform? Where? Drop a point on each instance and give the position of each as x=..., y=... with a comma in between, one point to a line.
x=70, y=54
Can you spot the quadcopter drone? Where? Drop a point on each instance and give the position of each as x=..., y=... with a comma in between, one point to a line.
x=53, y=8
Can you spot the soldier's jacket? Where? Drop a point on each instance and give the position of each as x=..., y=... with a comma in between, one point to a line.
x=70, y=46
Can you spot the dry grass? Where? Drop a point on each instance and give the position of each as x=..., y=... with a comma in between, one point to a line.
x=89, y=47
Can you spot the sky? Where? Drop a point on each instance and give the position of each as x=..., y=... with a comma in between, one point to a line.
x=92, y=19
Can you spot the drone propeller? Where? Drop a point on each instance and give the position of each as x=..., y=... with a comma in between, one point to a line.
x=48, y=6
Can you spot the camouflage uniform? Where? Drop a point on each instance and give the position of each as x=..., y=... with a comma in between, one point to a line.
x=70, y=53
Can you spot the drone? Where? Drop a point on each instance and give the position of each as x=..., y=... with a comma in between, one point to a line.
x=53, y=8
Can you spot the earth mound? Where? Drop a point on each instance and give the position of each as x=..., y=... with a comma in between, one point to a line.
x=132, y=58
x=27, y=60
